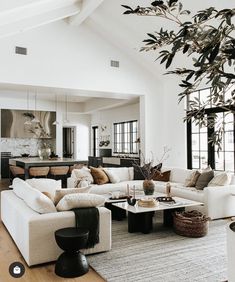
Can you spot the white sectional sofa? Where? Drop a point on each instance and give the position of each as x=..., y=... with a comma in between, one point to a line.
x=218, y=200
x=33, y=233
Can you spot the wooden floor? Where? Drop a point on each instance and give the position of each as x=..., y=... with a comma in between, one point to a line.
x=42, y=273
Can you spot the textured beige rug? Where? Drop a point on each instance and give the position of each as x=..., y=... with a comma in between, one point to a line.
x=163, y=256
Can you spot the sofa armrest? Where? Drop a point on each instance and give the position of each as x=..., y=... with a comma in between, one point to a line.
x=219, y=201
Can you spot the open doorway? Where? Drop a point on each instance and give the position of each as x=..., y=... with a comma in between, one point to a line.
x=69, y=142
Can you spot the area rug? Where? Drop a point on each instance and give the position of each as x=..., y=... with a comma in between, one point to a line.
x=163, y=256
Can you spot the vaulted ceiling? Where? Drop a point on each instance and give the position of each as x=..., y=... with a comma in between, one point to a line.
x=105, y=17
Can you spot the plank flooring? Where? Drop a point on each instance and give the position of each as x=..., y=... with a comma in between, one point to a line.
x=41, y=273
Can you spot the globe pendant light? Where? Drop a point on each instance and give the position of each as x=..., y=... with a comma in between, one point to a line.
x=55, y=122
x=35, y=120
x=28, y=121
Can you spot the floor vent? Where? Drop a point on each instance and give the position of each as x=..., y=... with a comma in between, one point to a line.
x=114, y=64
x=21, y=50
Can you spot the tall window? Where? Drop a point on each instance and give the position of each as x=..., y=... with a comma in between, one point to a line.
x=125, y=137
x=202, y=153
x=95, y=141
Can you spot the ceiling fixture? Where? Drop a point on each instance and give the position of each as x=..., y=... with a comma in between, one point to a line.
x=28, y=120
x=55, y=122
x=35, y=119
x=66, y=109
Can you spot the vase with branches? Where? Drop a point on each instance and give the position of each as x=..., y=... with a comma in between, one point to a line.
x=148, y=169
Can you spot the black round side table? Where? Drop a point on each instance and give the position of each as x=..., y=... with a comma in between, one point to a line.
x=71, y=263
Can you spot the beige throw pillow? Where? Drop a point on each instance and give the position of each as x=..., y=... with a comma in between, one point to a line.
x=59, y=194
x=79, y=200
x=192, y=181
x=220, y=179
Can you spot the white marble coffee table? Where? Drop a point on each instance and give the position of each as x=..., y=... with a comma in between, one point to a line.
x=140, y=218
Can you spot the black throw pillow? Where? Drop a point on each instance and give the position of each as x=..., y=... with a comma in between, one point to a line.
x=140, y=172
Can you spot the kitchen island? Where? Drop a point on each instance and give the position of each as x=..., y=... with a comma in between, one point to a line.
x=26, y=163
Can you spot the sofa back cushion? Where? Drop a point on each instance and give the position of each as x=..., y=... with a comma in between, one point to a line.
x=33, y=198
x=45, y=185
x=178, y=175
x=220, y=179
x=120, y=173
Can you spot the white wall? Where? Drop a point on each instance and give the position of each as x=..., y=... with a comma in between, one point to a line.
x=76, y=57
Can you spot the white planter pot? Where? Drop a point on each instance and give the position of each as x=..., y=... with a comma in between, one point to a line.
x=231, y=251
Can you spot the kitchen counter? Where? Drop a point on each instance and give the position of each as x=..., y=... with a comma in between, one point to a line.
x=26, y=163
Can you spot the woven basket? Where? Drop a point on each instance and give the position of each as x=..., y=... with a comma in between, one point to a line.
x=39, y=171
x=190, y=224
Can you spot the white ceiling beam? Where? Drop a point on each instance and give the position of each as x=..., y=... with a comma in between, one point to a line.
x=36, y=14
x=88, y=7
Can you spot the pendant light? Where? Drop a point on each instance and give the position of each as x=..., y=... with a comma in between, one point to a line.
x=55, y=122
x=28, y=121
x=35, y=120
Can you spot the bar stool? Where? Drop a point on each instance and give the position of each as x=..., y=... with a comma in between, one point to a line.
x=41, y=171
x=60, y=172
x=16, y=171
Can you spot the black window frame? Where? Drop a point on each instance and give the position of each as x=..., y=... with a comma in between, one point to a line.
x=95, y=141
x=211, y=151
x=131, y=133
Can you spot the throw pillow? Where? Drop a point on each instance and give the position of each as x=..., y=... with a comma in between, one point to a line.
x=59, y=194
x=113, y=177
x=221, y=179
x=140, y=172
x=81, y=183
x=49, y=196
x=204, y=179
x=162, y=176
x=72, y=201
x=192, y=181
x=32, y=197
x=100, y=177
x=83, y=173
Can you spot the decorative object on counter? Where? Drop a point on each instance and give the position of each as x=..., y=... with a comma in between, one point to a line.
x=25, y=155
x=53, y=156
x=168, y=190
x=44, y=152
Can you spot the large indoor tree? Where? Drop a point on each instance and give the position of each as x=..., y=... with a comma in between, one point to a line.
x=206, y=38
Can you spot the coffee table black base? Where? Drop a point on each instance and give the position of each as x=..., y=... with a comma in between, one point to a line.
x=117, y=214
x=168, y=217
x=140, y=222
x=71, y=265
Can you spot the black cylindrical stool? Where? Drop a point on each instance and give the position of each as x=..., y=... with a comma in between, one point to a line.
x=71, y=263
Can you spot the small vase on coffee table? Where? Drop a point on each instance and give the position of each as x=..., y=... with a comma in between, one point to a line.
x=148, y=187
